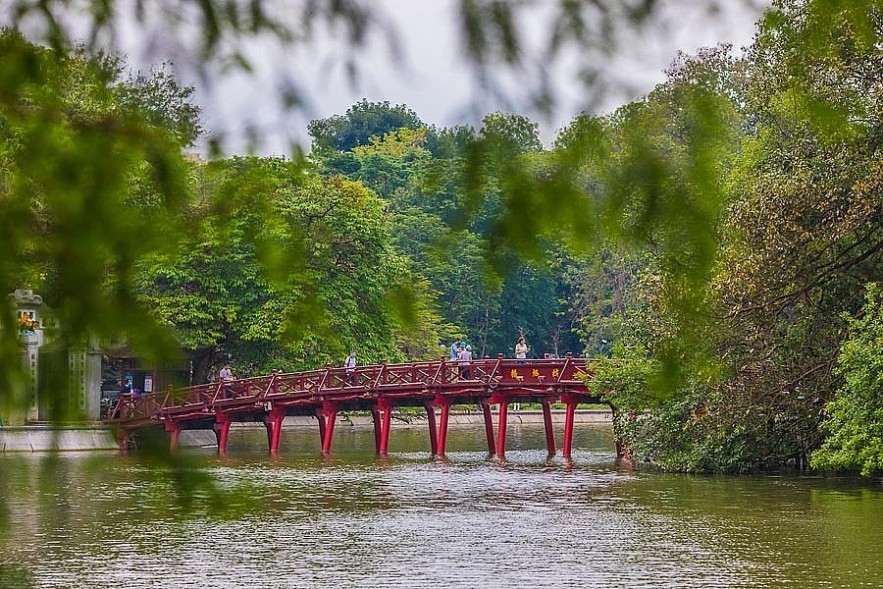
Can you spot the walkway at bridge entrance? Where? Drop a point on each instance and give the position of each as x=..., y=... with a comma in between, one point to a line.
x=377, y=389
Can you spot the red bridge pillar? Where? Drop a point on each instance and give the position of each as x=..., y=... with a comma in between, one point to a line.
x=550, y=432
x=273, y=423
x=570, y=402
x=375, y=417
x=327, y=415
x=384, y=410
x=174, y=430
x=443, y=425
x=501, y=427
x=488, y=427
x=222, y=431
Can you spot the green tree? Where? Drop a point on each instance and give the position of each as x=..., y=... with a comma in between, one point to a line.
x=855, y=416
x=799, y=236
x=299, y=272
x=390, y=163
x=514, y=133
x=92, y=179
x=361, y=122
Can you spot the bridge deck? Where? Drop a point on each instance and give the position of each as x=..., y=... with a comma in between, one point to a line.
x=375, y=388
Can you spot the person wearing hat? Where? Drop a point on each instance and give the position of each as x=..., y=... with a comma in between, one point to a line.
x=226, y=376
x=465, y=360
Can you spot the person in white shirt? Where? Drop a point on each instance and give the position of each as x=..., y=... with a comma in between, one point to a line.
x=226, y=376
x=465, y=360
x=350, y=365
x=521, y=349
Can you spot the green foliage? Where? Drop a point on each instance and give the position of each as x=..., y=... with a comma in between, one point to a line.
x=720, y=226
x=693, y=432
x=699, y=429
x=449, y=234
x=624, y=381
x=511, y=133
x=361, y=122
x=287, y=270
x=804, y=228
x=790, y=192
x=855, y=415
x=389, y=163
x=91, y=181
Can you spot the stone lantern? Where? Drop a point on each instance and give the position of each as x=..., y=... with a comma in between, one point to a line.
x=28, y=308
x=42, y=357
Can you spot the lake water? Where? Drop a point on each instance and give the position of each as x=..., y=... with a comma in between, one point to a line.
x=353, y=520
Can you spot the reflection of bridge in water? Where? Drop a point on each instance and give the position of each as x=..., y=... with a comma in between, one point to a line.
x=377, y=389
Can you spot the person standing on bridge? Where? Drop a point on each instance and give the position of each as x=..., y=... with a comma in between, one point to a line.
x=350, y=365
x=227, y=378
x=521, y=350
x=465, y=360
x=455, y=349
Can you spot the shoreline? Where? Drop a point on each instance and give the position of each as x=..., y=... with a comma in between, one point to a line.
x=99, y=437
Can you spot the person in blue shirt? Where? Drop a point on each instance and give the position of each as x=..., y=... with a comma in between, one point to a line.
x=455, y=349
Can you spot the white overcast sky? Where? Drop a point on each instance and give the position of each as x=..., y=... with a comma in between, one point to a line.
x=431, y=77
x=433, y=80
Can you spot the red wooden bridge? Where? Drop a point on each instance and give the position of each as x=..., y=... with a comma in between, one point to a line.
x=377, y=389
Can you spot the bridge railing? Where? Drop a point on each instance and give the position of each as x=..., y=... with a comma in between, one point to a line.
x=338, y=382
x=130, y=407
x=191, y=396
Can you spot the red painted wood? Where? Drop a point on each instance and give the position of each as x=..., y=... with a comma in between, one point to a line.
x=443, y=428
x=275, y=428
x=501, y=428
x=550, y=432
x=567, y=445
x=174, y=434
x=433, y=433
x=384, y=428
x=222, y=432
x=488, y=427
x=331, y=417
x=270, y=397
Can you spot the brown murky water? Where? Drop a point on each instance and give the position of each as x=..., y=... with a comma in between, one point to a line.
x=353, y=520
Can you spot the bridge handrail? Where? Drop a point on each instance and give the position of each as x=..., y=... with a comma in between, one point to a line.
x=488, y=372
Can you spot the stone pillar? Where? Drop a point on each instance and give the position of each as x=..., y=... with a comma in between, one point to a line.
x=30, y=324
x=84, y=381
x=31, y=362
x=93, y=383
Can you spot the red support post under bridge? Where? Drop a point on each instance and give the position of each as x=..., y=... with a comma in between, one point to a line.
x=377, y=389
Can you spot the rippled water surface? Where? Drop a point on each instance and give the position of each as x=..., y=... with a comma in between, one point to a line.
x=353, y=520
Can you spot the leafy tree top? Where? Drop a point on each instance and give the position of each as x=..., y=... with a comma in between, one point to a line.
x=361, y=122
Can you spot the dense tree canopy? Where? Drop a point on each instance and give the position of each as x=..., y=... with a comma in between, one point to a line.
x=293, y=284
x=361, y=122
x=715, y=237
x=800, y=237
x=90, y=166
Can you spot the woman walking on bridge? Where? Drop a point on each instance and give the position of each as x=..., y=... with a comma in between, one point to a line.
x=521, y=349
